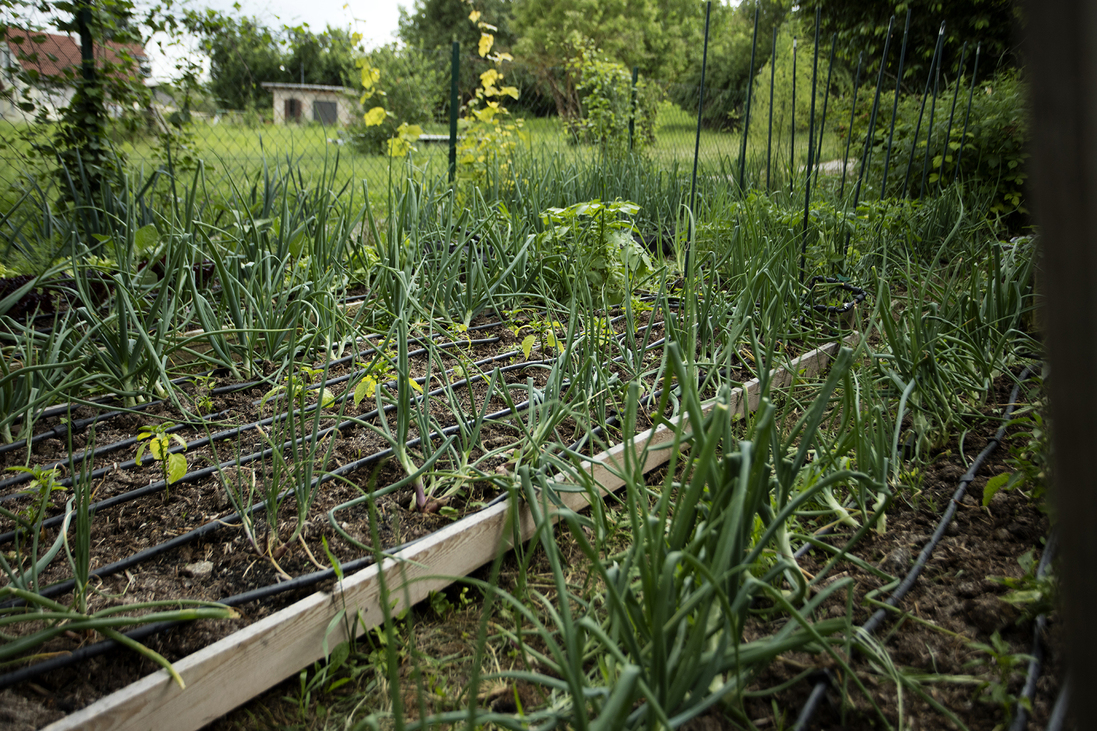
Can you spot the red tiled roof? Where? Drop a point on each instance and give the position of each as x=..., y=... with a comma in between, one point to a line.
x=51, y=54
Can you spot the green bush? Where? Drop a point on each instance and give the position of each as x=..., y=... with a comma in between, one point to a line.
x=589, y=246
x=413, y=88
x=991, y=157
x=606, y=103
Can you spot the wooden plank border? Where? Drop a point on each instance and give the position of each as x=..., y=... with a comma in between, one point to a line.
x=239, y=667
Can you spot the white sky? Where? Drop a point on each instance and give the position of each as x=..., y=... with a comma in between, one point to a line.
x=376, y=20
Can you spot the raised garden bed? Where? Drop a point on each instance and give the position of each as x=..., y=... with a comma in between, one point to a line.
x=236, y=667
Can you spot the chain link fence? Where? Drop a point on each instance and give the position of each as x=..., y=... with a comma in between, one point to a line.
x=313, y=129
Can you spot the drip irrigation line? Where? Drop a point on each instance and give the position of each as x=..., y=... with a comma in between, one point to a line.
x=205, y=472
x=196, y=533
x=204, y=441
x=1059, y=710
x=145, y=631
x=878, y=617
x=1035, y=663
x=858, y=295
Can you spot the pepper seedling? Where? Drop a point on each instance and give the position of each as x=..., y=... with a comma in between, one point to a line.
x=155, y=438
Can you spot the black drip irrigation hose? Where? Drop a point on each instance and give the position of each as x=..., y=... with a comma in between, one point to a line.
x=1059, y=710
x=858, y=296
x=204, y=441
x=205, y=472
x=61, y=431
x=818, y=692
x=1035, y=664
x=65, y=586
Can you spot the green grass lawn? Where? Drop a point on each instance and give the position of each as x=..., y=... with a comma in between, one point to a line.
x=234, y=155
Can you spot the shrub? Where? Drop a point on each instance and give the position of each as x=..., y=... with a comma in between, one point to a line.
x=991, y=157
x=411, y=88
x=606, y=103
x=589, y=246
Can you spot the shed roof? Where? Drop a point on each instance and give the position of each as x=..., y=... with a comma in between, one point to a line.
x=52, y=54
x=306, y=87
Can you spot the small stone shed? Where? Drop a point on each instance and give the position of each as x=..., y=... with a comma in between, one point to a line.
x=329, y=105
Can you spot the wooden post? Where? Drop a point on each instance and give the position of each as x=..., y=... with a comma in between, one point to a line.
x=1062, y=60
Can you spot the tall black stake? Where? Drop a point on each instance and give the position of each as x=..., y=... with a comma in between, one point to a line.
x=922, y=109
x=811, y=150
x=769, y=139
x=632, y=108
x=895, y=106
x=750, y=87
x=952, y=113
x=865, y=156
x=826, y=98
x=929, y=136
x=697, y=141
x=454, y=111
x=792, y=127
x=852, y=116
x=967, y=117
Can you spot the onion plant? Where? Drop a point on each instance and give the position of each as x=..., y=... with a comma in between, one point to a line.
x=657, y=639
x=28, y=620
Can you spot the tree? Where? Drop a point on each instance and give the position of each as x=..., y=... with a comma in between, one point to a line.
x=433, y=25
x=728, y=74
x=658, y=36
x=861, y=25
x=243, y=53
x=104, y=74
x=326, y=58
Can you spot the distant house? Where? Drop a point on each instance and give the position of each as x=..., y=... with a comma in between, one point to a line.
x=329, y=105
x=40, y=68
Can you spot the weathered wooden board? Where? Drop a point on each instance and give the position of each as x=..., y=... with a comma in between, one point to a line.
x=237, y=668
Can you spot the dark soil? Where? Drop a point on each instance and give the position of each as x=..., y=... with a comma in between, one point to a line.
x=225, y=562
x=955, y=603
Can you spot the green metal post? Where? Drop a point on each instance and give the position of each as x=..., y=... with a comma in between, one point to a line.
x=632, y=108
x=454, y=110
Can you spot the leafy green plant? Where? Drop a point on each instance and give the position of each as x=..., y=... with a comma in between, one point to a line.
x=490, y=135
x=401, y=91
x=157, y=439
x=295, y=388
x=608, y=102
x=589, y=247
x=40, y=489
x=1001, y=664
x=1029, y=457
x=1034, y=594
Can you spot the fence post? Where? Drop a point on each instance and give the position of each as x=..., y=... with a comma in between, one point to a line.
x=811, y=148
x=895, y=106
x=632, y=108
x=697, y=139
x=746, y=118
x=454, y=110
x=87, y=105
x=769, y=137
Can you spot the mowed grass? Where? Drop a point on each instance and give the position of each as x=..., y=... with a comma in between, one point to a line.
x=235, y=157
